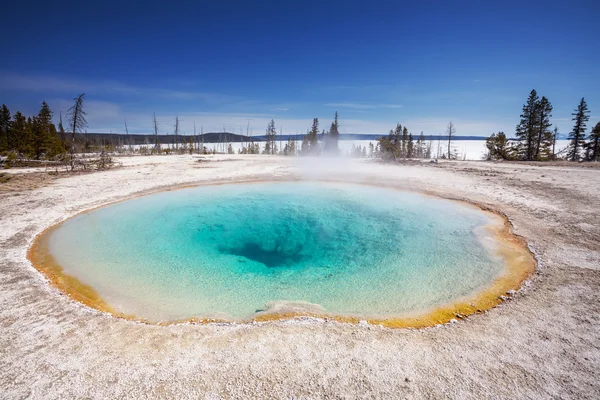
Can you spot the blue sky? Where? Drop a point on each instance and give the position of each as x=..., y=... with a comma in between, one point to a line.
x=222, y=64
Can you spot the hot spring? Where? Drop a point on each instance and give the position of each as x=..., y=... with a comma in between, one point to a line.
x=240, y=251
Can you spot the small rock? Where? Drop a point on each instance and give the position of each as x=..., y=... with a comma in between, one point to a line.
x=453, y=321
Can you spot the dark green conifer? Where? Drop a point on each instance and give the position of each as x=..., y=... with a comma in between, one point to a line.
x=5, y=142
x=497, y=145
x=410, y=146
x=544, y=135
x=526, y=129
x=577, y=136
x=333, y=137
x=594, y=144
x=313, y=137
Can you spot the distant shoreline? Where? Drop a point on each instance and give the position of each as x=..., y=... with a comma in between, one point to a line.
x=221, y=137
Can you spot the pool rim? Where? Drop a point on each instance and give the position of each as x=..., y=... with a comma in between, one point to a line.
x=520, y=262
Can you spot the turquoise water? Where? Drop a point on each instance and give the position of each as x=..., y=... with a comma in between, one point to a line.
x=231, y=251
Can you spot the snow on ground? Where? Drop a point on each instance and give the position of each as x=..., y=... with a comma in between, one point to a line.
x=466, y=149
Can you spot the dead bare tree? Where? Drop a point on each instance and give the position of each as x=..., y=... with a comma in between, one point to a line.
x=77, y=122
x=128, y=138
x=196, y=138
x=156, y=144
x=176, y=133
x=451, y=130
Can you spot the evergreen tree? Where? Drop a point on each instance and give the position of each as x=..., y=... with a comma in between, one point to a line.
x=526, y=129
x=544, y=136
x=577, y=136
x=313, y=137
x=594, y=145
x=428, y=150
x=5, y=137
x=331, y=143
x=395, y=142
x=305, y=146
x=410, y=146
x=267, y=149
x=45, y=139
x=497, y=145
x=404, y=141
x=20, y=134
x=421, y=146
x=388, y=146
x=270, y=146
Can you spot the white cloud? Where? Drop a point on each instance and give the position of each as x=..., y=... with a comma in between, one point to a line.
x=363, y=106
x=104, y=116
x=39, y=83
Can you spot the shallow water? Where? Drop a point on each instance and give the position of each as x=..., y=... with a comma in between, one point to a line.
x=230, y=251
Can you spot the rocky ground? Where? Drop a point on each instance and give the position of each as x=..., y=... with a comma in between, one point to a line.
x=542, y=343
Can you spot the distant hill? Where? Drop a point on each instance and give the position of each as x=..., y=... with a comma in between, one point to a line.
x=220, y=137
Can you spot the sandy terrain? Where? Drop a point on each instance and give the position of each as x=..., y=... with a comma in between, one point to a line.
x=542, y=343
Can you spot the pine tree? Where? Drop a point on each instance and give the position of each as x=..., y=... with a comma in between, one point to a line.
x=388, y=149
x=410, y=146
x=577, y=136
x=421, y=146
x=544, y=136
x=45, y=140
x=526, y=130
x=497, y=145
x=267, y=149
x=305, y=147
x=20, y=134
x=331, y=143
x=5, y=142
x=594, y=145
x=270, y=146
x=313, y=137
x=396, y=142
x=404, y=141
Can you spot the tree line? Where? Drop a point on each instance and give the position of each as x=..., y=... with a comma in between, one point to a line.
x=36, y=138
x=536, y=140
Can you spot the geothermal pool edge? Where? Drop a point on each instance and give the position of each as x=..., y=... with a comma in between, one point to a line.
x=518, y=259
